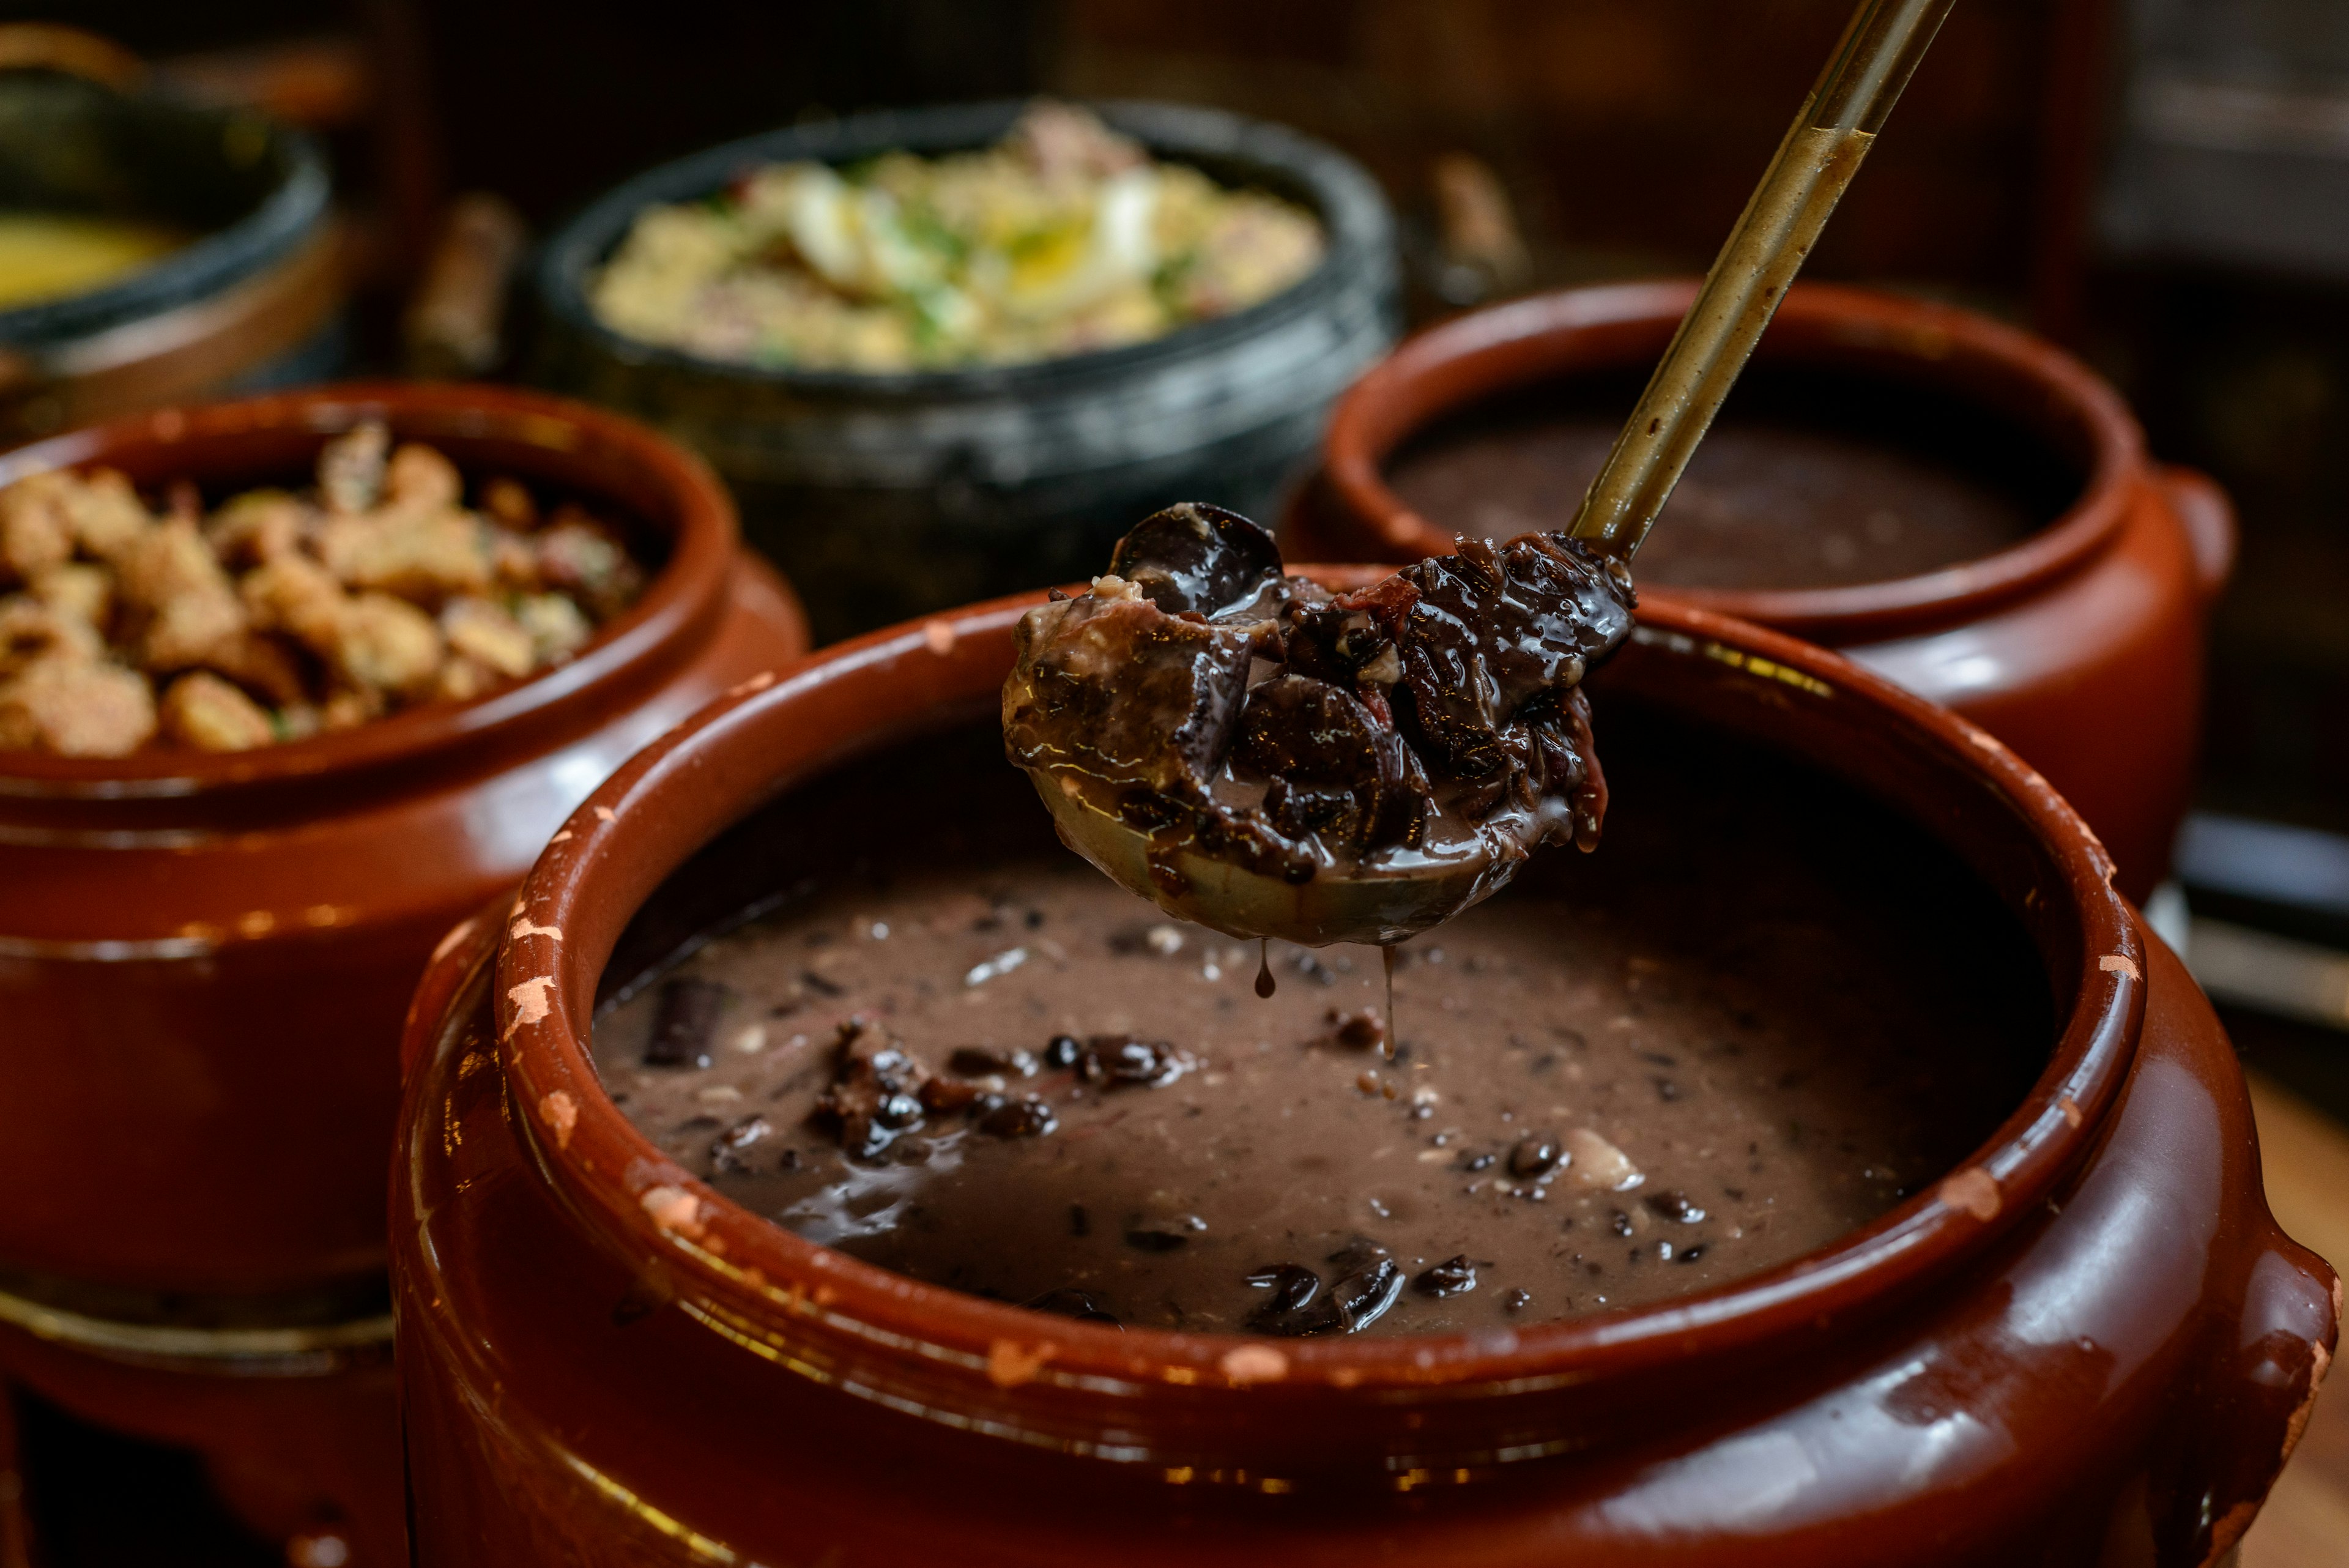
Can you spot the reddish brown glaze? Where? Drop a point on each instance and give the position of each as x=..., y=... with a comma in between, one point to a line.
x=2091, y=1339
x=2081, y=646
x=299, y=1442
x=204, y=958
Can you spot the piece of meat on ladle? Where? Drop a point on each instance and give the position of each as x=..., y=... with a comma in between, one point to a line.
x=1255, y=754
x=1259, y=755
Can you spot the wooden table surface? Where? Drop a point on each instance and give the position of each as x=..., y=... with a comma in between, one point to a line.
x=2305, y=1155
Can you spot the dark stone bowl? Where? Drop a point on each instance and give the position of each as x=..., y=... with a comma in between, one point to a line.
x=888, y=495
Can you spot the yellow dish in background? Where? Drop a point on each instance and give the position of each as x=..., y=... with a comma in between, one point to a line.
x=1065, y=237
x=52, y=256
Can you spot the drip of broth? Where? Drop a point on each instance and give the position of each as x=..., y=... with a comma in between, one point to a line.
x=1265, y=984
x=1386, y=957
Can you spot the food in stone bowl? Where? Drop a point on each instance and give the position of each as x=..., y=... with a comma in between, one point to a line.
x=1065, y=236
x=279, y=614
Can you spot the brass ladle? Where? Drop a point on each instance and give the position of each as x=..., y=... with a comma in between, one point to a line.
x=1401, y=896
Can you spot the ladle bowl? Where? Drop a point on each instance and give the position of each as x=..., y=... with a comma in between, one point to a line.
x=1380, y=903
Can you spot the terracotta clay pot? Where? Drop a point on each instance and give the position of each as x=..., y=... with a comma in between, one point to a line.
x=299, y=1427
x=2090, y=1339
x=204, y=958
x=2081, y=646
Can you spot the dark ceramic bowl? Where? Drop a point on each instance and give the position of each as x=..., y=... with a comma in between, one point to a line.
x=255, y=299
x=890, y=495
x=2089, y=1332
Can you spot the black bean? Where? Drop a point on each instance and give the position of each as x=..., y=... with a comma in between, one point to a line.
x=1620, y=1222
x=1518, y=1300
x=1196, y=558
x=943, y=1095
x=1533, y=1155
x=1027, y=1116
x=978, y=1062
x=1062, y=1052
x=1122, y=1059
x=1359, y=1253
x=1673, y=1204
x=1364, y=1295
x=1156, y=1241
x=1321, y=1316
x=1079, y=1304
x=1690, y=1254
x=1448, y=1278
x=683, y=1021
x=1292, y=1285
x=897, y=1112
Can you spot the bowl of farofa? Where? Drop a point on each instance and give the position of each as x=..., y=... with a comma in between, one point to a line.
x=282, y=729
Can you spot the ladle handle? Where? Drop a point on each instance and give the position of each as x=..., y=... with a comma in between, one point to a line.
x=1873, y=62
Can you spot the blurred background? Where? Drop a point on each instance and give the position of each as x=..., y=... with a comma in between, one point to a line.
x=2160, y=185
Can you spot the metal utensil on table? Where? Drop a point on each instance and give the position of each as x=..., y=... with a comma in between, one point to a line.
x=1387, y=903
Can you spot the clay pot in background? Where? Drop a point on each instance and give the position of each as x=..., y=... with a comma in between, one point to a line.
x=885, y=496
x=2093, y=1333
x=2081, y=646
x=204, y=958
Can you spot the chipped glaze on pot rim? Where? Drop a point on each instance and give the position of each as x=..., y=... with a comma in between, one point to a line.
x=1492, y=352
x=749, y=1281
x=590, y=441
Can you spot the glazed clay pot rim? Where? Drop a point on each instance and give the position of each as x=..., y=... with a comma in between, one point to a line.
x=1347, y=204
x=1527, y=340
x=682, y=593
x=610, y=1178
